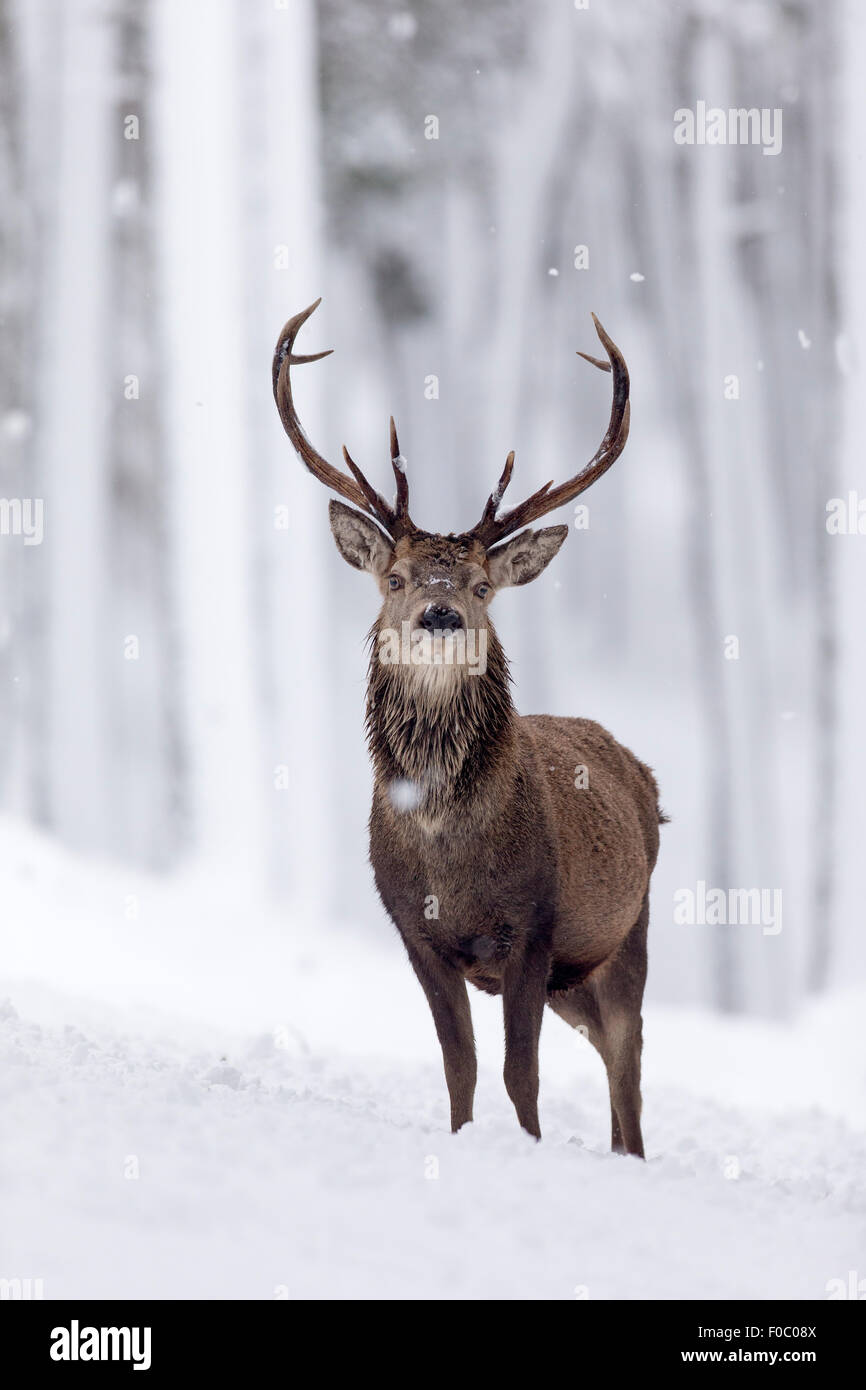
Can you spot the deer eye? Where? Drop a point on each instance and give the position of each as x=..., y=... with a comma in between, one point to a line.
x=394, y=582
x=482, y=590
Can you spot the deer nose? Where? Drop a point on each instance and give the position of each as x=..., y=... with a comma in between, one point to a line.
x=436, y=617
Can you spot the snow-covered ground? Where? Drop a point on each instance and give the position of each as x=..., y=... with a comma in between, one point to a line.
x=202, y=1098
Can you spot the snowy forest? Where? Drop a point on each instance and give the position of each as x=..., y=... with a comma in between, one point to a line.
x=184, y=780
x=183, y=655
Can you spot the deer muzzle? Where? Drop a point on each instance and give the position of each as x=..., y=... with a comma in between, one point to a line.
x=440, y=617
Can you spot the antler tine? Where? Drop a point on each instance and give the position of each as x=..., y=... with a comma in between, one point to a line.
x=356, y=489
x=398, y=463
x=491, y=507
x=374, y=501
x=492, y=528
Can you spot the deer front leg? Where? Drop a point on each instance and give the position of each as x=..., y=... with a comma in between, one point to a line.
x=524, y=994
x=448, y=998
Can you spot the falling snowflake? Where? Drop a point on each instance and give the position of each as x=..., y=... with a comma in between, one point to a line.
x=16, y=424
x=403, y=26
x=404, y=795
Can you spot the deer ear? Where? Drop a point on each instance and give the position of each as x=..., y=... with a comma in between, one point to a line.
x=359, y=539
x=524, y=556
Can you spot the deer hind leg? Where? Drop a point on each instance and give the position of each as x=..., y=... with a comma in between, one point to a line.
x=607, y=1010
x=622, y=1050
x=618, y=988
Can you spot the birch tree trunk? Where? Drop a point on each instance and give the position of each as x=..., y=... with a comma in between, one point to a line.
x=290, y=543
x=144, y=732
x=210, y=512
x=16, y=396
x=74, y=402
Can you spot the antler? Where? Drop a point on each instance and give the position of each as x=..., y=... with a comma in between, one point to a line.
x=395, y=519
x=491, y=528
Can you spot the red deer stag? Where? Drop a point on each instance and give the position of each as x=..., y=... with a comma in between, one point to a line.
x=497, y=863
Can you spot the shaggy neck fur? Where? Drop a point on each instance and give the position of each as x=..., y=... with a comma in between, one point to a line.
x=445, y=731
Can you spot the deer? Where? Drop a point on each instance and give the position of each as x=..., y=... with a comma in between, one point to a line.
x=498, y=865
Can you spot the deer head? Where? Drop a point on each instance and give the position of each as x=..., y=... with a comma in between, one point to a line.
x=431, y=584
